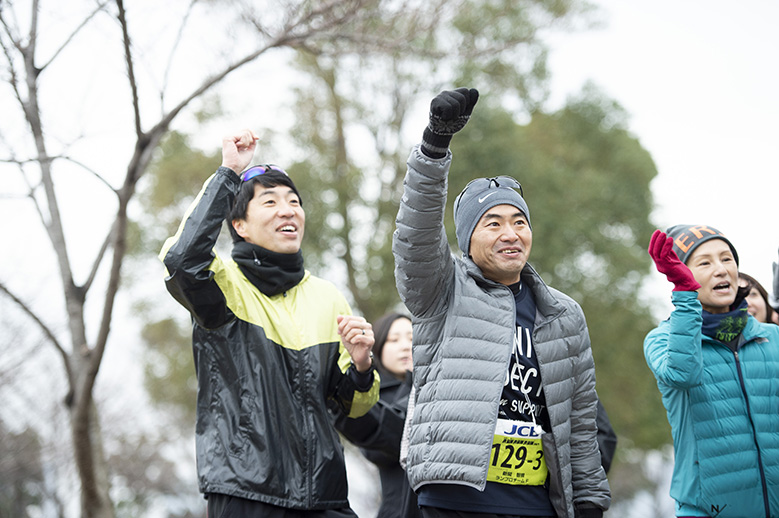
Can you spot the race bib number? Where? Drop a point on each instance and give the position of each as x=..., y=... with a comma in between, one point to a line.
x=517, y=456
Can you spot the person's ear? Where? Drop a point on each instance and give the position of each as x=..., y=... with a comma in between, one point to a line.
x=240, y=227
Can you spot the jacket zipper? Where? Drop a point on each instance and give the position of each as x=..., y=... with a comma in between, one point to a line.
x=754, y=437
x=307, y=439
x=505, y=370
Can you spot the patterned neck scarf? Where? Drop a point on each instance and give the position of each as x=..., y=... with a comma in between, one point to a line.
x=726, y=327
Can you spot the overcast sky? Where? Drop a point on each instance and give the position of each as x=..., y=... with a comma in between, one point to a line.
x=700, y=79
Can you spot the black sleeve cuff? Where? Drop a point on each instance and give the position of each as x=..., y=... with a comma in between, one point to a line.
x=362, y=380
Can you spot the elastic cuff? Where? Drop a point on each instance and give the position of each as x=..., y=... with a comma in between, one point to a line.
x=362, y=380
x=435, y=145
x=687, y=286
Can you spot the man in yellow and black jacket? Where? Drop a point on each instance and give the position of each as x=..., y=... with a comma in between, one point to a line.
x=272, y=343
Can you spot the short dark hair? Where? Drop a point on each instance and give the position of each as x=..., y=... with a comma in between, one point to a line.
x=245, y=195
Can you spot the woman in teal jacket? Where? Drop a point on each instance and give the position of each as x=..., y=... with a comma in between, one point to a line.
x=717, y=369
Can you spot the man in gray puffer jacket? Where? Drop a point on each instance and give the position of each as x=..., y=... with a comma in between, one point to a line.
x=503, y=419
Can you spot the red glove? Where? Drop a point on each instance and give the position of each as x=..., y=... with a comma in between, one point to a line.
x=667, y=262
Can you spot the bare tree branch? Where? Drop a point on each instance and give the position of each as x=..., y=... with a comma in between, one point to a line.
x=32, y=42
x=31, y=194
x=100, y=7
x=67, y=158
x=41, y=325
x=11, y=365
x=177, y=42
x=14, y=79
x=86, y=168
x=164, y=123
x=329, y=22
x=98, y=260
x=128, y=58
x=287, y=37
x=31, y=111
x=15, y=38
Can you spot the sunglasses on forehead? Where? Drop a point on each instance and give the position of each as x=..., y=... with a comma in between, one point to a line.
x=257, y=170
x=488, y=183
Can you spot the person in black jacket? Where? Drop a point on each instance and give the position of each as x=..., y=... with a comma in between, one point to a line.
x=273, y=346
x=607, y=438
x=378, y=433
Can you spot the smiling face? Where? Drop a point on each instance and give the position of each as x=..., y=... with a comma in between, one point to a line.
x=714, y=267
x=756, y=305
x=274, y=219
x=396, y=353
x=500, y=243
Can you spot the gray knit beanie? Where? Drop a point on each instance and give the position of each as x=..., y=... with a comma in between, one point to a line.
x=689, y=237
x=479, y=196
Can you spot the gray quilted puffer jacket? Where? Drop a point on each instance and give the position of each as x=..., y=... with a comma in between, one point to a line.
x=463, y=335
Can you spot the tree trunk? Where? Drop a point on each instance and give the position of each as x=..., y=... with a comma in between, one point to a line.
x=91, y=464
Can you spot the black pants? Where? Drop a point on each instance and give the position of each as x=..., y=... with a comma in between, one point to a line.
x=226, y=506
x=437, y=512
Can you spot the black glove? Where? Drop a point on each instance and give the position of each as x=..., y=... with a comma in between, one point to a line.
x=449, y=112
x=588, y=512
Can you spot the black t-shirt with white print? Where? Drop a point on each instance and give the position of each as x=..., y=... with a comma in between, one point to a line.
x=522, y=400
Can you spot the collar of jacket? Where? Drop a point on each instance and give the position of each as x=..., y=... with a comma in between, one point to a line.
x=753, y=332
x=546, y=303
x=270, y=272
x=389, y=381
x=387, y=378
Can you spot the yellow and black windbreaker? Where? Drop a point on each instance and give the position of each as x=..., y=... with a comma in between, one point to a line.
x=266, y=367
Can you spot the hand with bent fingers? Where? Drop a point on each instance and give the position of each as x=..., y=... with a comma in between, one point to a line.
x=357, y=336
x=449, y=113
x=238, y=150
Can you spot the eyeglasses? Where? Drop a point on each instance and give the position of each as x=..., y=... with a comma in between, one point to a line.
x=257, y=170
x=487, y=183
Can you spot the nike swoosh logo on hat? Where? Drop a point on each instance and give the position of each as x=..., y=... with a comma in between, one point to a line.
x=481, y=200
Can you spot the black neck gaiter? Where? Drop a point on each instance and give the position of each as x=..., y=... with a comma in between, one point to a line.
x=271, y=272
